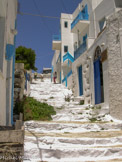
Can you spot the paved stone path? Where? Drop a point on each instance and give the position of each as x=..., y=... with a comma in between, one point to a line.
x=77, y=132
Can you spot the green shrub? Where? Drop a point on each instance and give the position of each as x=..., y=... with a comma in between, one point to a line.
x=51, y=97
x=93, y=119
x=98, y=107
x=34, y=110
x=81, y=102
x=67, y=98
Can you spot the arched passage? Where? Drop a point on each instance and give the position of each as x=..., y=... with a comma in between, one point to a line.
x=98, y=77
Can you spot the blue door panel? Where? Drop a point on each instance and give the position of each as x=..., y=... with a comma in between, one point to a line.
x=80, y=81
x=97, y=82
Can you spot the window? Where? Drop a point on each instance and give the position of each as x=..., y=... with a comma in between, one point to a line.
x=66, y=24
x=84, y=38
x=118, y=3
x=75, y=46
x=102, y=23
x=97, y=53
x=65, y=48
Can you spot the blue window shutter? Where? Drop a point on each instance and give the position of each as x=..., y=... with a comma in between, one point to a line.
x=9, y=51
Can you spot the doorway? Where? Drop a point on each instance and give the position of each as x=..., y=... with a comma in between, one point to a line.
x=80, y=80
x=98, y=77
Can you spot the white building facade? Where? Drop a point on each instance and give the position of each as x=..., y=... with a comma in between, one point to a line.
x=85, y=66
x=8, y=13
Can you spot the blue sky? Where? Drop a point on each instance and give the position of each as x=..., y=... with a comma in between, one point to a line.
x=36, y=32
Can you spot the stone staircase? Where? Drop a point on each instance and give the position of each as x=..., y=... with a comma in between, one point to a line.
x=77, y=132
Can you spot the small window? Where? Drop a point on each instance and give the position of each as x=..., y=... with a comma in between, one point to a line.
x=75, y=46
x=118, y=3
x=65, y=48
x=102, y=23
x=66, y=24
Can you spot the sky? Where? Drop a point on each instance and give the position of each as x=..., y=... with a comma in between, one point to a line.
x=36, y=32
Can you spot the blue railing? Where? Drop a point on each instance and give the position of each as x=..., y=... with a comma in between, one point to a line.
x=70, y=73
x=65, y=79
x=68, y=56
x=80, y=50
x=83, y=15
x=56, y=37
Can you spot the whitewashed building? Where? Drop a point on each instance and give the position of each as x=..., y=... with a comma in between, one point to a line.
x=8, y=13
x=91, y=69
x=89, y=59
x=64, y=51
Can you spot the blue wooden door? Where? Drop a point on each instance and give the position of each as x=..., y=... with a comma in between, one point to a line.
x=97, y=81
x=80, y=81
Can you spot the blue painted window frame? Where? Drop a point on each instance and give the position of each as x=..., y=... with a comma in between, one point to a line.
x=10, y=49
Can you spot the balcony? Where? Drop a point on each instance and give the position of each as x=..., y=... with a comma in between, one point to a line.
x=81, y=22
x=67, y=59
x=56, y=45
x=80, y=50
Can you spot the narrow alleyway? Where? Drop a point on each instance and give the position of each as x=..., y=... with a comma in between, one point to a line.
x=77, y=132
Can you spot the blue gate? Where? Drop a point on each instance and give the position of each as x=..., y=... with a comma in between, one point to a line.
x=97, y=82
x=80, y=81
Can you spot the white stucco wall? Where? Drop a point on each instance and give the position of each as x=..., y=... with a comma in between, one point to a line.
x=104, y=9
x=114, y=39
x=66, y=40
x=8, y=12
x=87, y=62
x=2, y=99
x=90, y=30
x=69, y=82
x=8, y=92
x=66, y=35
x=78, y=62
x=56, y=65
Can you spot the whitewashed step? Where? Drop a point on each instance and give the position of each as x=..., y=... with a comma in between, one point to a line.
x=78, y=99
x=45, y=127
x=68, y=143
x=71, y=154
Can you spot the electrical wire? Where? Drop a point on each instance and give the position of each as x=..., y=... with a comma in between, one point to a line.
x=50, y=17
x=38, y=11
x=55, y=17
x=38, y=15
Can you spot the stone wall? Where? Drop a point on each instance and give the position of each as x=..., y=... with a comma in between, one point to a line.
x=19, y=82
x=85, y=62
x=11, y=144
x=114, y=40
